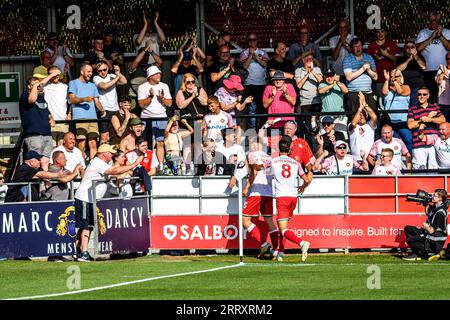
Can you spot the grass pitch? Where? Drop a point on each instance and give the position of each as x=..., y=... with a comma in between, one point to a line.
x=322, y=276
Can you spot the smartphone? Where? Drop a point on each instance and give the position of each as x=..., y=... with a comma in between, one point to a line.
x=177, y=113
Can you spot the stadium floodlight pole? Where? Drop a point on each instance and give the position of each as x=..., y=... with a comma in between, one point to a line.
x=240, y=221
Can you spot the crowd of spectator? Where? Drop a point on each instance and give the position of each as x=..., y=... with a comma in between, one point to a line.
x=199, y=123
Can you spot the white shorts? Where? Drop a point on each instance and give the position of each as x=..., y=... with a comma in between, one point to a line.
x=424, y=158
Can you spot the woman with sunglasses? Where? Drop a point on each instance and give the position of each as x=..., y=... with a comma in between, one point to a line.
x=397, y=97
x=192, y=102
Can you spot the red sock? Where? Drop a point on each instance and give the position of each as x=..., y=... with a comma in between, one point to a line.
x=254, y=232
x=264, y=235
x=288, y=234
x=281, y=242
x=274, y=238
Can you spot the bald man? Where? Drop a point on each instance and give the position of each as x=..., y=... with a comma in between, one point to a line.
x=441, y=144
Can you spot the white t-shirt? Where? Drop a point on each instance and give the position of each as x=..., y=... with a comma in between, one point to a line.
x=60, y=62
x=285, y=172
x=346, y=165
x=228, y=152
x=73, y=157
x=396, y=145
x=155, y=108
x=337, y=65
x=442, y=148
x=108, y=98
x=95, y=170
x=56, y=97
x=361, y=138
x=391, y=170
x=262, y=185
x=215, y=123
x=435, y=52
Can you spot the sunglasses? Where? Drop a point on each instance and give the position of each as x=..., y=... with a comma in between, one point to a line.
x=327, y=124
x=422, y=94
x=291, y=121
x=341, y=148
x=448, y=58
x=102, y=70
x=252, y=39
x=190, y=82
x=2, y=178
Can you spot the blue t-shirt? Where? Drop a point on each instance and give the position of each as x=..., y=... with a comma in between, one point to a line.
x=84, y=110
x=397, y=102
x=35, y=117
x=363, y=82
x=332, y=100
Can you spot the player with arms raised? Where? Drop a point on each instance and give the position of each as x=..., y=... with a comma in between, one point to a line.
x=285, y=172
x=259, y=191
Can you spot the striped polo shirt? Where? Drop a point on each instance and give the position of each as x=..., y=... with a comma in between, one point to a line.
x=415, y=113
x=364, y=81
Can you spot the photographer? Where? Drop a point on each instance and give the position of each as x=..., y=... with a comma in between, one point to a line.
x=430, y=238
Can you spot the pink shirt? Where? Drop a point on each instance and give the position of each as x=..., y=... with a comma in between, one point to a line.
x=397, y=145
x=341, y=167
x=279, y=103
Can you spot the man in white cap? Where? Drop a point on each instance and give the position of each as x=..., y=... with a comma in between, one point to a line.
x=154, y=97
x=99, y=168
x=341, y=163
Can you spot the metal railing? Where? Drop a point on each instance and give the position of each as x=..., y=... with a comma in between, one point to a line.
x=323, y=198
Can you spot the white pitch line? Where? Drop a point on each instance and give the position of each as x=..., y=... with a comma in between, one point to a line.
x=283, y=264
x=124, y=283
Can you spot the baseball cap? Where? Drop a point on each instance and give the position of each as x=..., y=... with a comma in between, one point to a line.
x=106, y=148
x=329, y=73
x=340, y=143
x=233, y=82
x=327, y=119
x=278, y=75
x=307, y=53
x=152, y=71
x=32, y=155
x=187, y=55
x=135, y=122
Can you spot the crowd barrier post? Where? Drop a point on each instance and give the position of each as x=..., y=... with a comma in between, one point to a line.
x=95, y=231
x=240, y=221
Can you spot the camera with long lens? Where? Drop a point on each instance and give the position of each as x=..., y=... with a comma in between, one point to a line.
x=421, y=197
